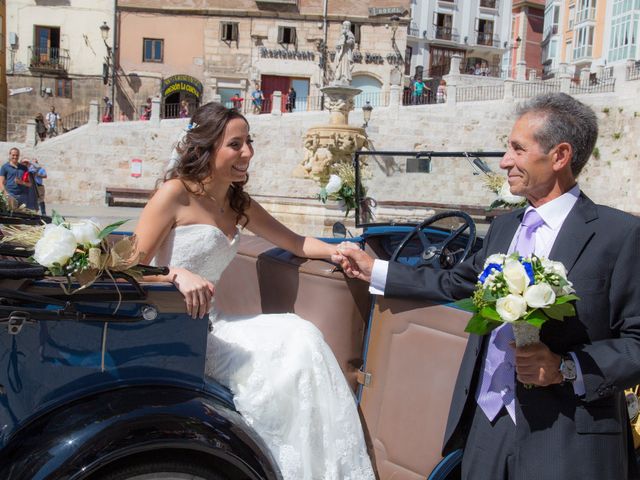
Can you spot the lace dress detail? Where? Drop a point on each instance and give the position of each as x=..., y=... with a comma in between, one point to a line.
x=285, y=379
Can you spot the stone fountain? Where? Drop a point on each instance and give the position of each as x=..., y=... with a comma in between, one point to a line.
x=329, y=145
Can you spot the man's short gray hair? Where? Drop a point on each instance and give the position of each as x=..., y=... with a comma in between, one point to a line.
x=566, y=120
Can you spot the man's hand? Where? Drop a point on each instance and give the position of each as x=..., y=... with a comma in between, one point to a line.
x=354, y=262
x=537, y=365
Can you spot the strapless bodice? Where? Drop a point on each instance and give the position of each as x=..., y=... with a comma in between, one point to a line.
x=200, y=248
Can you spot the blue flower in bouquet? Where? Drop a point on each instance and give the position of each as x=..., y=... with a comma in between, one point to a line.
x=519, y=290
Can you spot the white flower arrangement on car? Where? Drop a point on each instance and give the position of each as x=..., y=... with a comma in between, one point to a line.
x=523, y=291
x=341, y=186
x=504, y=198
x=76, y=250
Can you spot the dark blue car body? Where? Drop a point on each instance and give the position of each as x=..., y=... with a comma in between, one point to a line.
x=79, y=396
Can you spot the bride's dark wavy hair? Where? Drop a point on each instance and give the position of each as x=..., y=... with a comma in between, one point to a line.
x=195, y=149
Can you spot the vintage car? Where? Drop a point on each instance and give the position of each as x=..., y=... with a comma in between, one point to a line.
x=86, y=393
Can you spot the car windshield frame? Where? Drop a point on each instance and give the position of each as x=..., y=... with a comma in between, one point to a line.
x=362, y=201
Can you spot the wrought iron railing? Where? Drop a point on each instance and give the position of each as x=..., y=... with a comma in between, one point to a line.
x=375, y=99
x=75, y=119
x=531, y=89
x=445, y=33
x=409, y=99
x=633, y=71
x=596, y=86
x=479, y=93
x=489, y=3
x=487, y=39
x=46, y=58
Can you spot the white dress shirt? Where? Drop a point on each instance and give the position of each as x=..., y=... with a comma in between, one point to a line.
x=554, y=213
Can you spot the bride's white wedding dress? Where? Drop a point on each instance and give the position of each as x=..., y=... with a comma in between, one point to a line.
x=285, y=379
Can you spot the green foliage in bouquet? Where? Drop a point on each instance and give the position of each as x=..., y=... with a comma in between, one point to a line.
x=517, y=289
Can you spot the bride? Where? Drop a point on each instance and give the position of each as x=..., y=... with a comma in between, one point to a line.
x=285, y=380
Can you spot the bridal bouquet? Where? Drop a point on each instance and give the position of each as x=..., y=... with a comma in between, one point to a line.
x=525, y=292
x=76, y=250
x=504, y=198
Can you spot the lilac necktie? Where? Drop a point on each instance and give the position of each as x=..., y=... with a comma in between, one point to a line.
x=497, y=387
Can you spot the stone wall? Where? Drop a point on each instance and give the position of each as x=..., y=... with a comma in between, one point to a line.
x=23, y=107
x=82, y=163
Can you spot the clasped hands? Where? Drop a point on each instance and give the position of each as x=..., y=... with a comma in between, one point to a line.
x=535, y=364
x=354, y=262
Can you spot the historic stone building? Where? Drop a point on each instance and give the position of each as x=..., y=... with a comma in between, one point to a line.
x=56, y=56
x=201, y=50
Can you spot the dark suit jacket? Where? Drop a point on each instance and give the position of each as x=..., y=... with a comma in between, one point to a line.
x=560, y=436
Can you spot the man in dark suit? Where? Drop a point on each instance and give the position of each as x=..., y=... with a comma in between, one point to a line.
x=573, y=422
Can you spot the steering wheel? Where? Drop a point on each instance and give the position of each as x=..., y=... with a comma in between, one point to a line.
x=438, y=255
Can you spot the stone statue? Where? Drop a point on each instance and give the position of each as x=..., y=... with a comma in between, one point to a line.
x=343, y=63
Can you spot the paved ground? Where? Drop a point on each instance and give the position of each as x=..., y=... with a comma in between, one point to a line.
x=105, y=214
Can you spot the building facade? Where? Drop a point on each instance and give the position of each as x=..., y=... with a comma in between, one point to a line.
x=590, y=34
x=477, y=30
x=55, y=57
x=199, y=51
x=526, y=37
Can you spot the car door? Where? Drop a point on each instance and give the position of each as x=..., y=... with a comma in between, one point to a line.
x=414, y=352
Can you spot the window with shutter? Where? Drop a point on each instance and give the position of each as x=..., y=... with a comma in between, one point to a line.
x=228, y=31
x=286, y=35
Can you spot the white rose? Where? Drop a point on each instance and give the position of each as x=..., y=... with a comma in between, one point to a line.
x=539, y=296
x=495, y=258
x=554, y=267
x=57, y=245
x=334, y=184
x=515, y=275
x=86, y=232
x=511, y=307
x=507, y=197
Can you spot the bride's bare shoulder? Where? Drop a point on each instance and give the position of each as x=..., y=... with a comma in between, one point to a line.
x=172, y=190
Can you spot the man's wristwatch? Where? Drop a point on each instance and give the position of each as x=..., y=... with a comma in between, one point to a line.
x=568, y=369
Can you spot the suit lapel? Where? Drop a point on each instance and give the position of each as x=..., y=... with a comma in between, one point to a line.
x=575, y=233
x=502, y=237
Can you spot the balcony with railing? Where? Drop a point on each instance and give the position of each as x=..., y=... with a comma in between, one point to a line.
x=487, y=39
x=445, y=33
x=489, y=3
x=413, y=32
x=46, y=59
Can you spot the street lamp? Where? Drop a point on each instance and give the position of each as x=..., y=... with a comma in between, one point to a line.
x=396, y=75
x=366, y=113
x=108, y=67
x=395, y=22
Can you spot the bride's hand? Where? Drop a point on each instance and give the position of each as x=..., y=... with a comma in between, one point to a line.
x=197, y=291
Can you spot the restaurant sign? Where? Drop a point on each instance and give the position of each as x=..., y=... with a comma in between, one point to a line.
x=182, y=83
